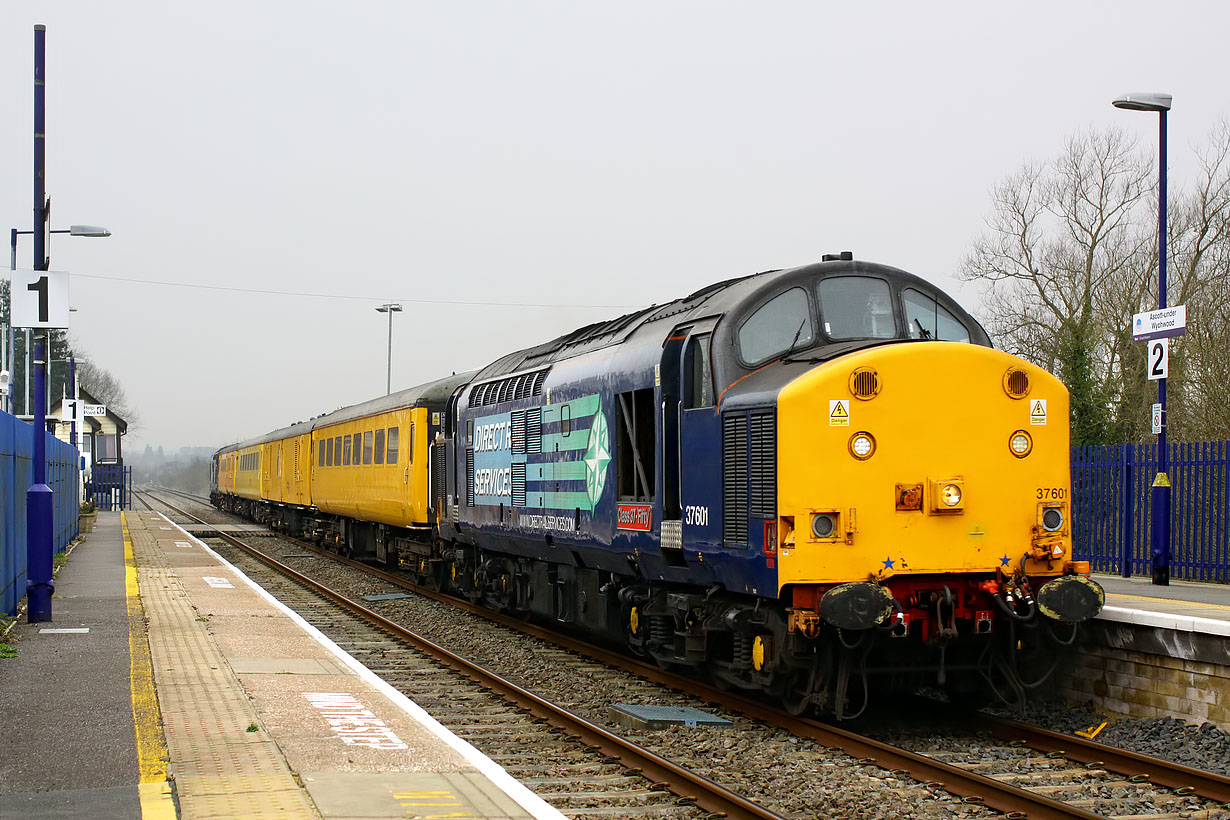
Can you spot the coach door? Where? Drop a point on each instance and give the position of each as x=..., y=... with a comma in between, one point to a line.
x=691, y=457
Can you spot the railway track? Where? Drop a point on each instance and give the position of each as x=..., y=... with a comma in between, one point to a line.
x=1012, y=769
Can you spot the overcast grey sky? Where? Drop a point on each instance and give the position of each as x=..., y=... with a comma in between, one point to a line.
x=580, y=158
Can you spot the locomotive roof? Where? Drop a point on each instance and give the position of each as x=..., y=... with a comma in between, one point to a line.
x=712, y=300
x=433, y=392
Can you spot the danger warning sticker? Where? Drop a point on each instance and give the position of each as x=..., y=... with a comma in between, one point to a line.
x=839, y=413
x=1037, y=411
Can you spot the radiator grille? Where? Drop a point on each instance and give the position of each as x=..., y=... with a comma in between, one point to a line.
x=518, y=485
x=533, y=430
x=439, y=479
x=762, y=467
x=470, y=477
x=734, y=477
x=518, y=431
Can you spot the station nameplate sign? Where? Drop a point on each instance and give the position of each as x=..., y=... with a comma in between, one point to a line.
x=1158, y=324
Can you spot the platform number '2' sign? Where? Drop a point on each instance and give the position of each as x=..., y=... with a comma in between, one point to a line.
x=39, y=298
x=1159, y=358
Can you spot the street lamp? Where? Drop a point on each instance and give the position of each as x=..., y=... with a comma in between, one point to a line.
x=1159, y=499
x=389, y=308
x=9, y=341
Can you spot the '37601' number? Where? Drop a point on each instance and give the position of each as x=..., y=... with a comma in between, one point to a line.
x=696, y=516
x=1052, y=493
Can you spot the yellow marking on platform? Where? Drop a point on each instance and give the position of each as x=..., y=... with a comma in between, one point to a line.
x=151, y=746
x=1196, y=604
x=156, y=801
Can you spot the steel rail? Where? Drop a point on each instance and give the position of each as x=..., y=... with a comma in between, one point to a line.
x=1183, y=779
x=688, y=785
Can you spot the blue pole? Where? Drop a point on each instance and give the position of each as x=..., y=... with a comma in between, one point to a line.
x=1160, y=494
x=40, y=515
x=39, y=512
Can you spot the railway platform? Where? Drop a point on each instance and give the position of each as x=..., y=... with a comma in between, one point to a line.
x=169, y=686
x=1155, y=650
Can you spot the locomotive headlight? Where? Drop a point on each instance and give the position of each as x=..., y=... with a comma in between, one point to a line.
x=862, y=446
x=1020, y=444
x=950, y=494
x=1052, y=519
x=823, y=525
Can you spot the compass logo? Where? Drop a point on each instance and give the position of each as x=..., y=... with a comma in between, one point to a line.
x=597, y=457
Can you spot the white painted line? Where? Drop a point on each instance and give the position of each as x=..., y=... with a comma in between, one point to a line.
x=1166, y=620
x=514, y=788
x=65, y=631
x=218, y=583
x=183, y=544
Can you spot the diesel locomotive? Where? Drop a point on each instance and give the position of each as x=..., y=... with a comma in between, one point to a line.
x=812, y=483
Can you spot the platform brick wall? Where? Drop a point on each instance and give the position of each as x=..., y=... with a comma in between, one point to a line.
x=1145, y=672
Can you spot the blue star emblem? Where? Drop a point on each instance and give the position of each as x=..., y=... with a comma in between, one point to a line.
x=888, y=562
x=1004, y=561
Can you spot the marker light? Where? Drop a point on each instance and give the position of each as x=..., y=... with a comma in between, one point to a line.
x=951, y=495
x=1052, y=519
x=1020, y=444
x=823, y=525
x=862, y=446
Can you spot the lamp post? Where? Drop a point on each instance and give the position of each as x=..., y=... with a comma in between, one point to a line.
x=1159, y=497
x=389, y=308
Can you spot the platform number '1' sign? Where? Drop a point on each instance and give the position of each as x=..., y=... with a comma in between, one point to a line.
x=39, y=298
x=1159, y=358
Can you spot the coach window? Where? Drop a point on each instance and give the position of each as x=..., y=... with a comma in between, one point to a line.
x=778, y=326
x=925, y=319
x=320, y=460
x=410, y=449
x=356, y=449
x=337, y=451
x=378, y=453
x=345, y=451
x=329, y=462
x=856, y=307
x=391, y=455
x=697, y=374
x=367, y=447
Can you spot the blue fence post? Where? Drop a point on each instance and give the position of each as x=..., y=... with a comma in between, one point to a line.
x=1127, y=454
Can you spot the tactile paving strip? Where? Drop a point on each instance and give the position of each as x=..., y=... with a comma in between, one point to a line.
x=220, y=768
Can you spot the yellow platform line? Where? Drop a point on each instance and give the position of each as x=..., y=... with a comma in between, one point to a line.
x=154, y=790
x=1195, y=604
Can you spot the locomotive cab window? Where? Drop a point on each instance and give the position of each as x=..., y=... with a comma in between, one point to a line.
x=697, y=374
x=856, y=307
x=925, y=319
x=778, y=326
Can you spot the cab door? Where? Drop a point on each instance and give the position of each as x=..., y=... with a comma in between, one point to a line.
x=691, y=452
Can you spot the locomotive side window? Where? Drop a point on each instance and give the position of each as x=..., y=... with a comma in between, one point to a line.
x=391, y=456
x=635, y=445
x=379, y=446
x=779, y=325
x=697, y=373
x=856, y=307
x=925, y=319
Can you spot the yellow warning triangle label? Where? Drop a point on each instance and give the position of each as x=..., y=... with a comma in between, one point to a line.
x=839, y=411
x=1039, y=409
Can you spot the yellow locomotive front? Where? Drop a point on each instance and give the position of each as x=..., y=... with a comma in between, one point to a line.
x=925, y=490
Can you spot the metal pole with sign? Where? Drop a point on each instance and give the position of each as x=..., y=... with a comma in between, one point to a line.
x=1159, y=500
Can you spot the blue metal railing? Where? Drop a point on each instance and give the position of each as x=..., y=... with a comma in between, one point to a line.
x=63, y=476
x=1111, y=516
